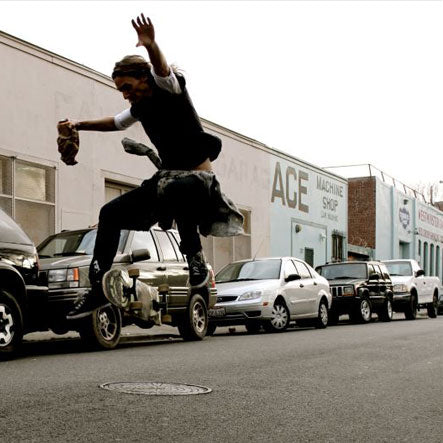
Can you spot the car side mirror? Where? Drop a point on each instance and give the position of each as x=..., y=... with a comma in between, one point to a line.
x=292, y=277
x=140, y=255
x=374, y=277
x=420, y=273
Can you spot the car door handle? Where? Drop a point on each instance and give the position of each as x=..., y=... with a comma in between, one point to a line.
x=302, y=285
x=161, y=268
x=185, y=268
x=315, y=283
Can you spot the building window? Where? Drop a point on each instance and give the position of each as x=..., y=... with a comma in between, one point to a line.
x=437, y=262
x=419, y=250
x=27, y=194
x=114, y=190
x=337, y=246
x=425, y=257
x=431, y=260
x=221, y=251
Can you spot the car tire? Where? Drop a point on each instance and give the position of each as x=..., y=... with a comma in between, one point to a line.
x=411, y=310
x=362, y=313
x=433, y=307
x=253, y=327
x=11, y=325
x=321, y=322
x=195, y=322
x=211, y=329
x=279, y=321
x=102, y=329
x=386, y=313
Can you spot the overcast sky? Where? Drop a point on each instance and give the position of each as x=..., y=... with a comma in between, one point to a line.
x=330, y=82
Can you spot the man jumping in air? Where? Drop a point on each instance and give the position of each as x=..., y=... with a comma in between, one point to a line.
x=184, y=189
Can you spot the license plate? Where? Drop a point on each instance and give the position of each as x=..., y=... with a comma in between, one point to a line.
x=217, y=312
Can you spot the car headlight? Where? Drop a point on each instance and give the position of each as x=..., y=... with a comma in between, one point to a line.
x=63, y=278
x=251, y=295
x=400, y=288
x=348, y=290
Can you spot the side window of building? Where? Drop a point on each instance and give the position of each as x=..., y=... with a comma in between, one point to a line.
x=144, y=240
x=221, y=251
x=166, y=245
x=114, y=190
x=337, y=246
x=303, y=270
x=27, y=194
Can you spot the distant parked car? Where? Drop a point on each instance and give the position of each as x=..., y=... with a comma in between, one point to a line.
x=65, y=259
x=412, y=289
x=359, y=289
x=22, y=297
x=270, y=292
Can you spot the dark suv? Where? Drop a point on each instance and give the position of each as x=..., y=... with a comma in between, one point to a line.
x=358, y=289
x=64, y=263
x=22, y=298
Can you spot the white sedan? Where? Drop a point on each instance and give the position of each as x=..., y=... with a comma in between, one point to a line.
x=270, y=292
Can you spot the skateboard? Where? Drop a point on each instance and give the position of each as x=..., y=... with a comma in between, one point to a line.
x=125, y=291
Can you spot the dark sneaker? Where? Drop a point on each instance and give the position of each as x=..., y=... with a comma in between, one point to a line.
x=85, y=305
x=198, y=270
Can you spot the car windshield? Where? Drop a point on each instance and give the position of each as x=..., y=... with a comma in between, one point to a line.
x=251, y=270
x=337, y=272
x=398, y=268
x=71, y=243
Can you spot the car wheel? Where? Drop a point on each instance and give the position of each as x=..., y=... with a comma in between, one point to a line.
x=102, y=329
x=433, y=307
x=253, y=327
x=195, y=322
x=279, y=318
x=411, y=310
x=386, y=312
x=321, y=321
x=211, y=329
x=11, y=325
x=363, y=312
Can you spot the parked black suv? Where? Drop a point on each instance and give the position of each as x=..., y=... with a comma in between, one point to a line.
x=64, y=263
x=22, y=298
x=358, y=289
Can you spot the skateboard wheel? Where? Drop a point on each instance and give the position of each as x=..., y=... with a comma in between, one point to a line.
x=134, y=273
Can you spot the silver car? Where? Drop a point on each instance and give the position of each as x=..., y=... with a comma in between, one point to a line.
x=270, y=292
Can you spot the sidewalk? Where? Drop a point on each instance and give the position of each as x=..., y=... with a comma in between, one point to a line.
x=128, y=332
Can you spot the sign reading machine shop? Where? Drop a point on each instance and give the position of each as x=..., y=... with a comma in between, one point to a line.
x=307, y=205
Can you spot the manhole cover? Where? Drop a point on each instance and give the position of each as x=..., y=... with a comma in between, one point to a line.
x=155, y=388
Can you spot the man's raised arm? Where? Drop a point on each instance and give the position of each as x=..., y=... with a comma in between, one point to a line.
x=146, y=37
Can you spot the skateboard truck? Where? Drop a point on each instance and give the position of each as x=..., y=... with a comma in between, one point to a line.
x=162, y=305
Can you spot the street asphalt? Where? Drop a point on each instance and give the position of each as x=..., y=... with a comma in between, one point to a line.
x=348, y=383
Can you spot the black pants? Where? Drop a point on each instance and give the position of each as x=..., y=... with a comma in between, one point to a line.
x=184, y=201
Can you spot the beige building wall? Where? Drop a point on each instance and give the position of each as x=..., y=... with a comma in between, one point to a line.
x=38, y=88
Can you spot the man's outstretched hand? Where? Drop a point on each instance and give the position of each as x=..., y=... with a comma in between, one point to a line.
x=145, y=31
